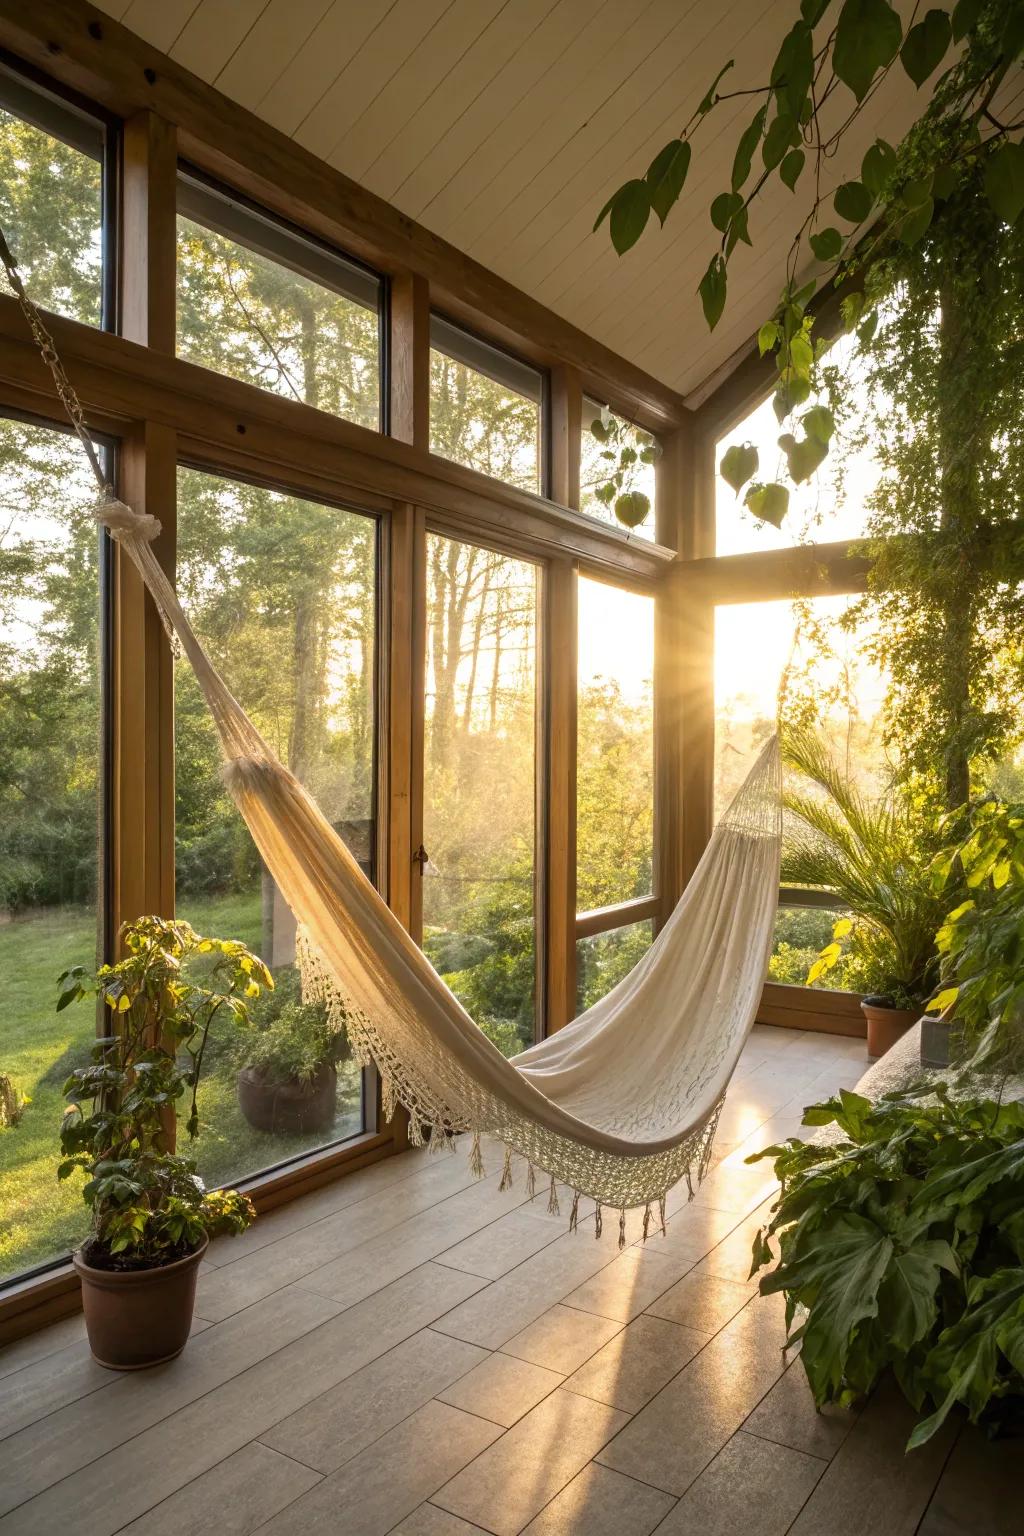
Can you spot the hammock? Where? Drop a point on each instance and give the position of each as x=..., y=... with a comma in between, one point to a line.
x=619, y=1105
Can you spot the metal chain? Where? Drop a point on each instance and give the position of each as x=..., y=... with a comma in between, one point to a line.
x=48, y=351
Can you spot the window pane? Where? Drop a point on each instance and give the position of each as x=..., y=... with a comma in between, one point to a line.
x=838, y=685
x=50, y=768
x=603, y=960
x=485, y=408
x=801, y=933
x=614, y=434
x=283, y=594
x=267, y=307
x=615, y=746
x=479, y=789
x=820, y=510
x=51, y=200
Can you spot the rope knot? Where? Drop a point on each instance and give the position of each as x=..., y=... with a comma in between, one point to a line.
x=119, y=518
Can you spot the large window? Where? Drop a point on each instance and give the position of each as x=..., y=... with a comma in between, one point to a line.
x=486, y=408
x=51, y=793
x=614, y=779
x=616, y=458
x=479, y=818
x=826, y=509
x=266, y=306
x=282, y=592
x=51, y=199
x=835, y=685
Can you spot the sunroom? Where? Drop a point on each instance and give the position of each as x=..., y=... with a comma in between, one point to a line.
x=511, y=767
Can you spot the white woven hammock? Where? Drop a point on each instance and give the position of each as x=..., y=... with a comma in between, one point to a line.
x=622, y=1103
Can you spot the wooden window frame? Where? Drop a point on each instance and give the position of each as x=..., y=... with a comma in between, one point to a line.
x=163, y=410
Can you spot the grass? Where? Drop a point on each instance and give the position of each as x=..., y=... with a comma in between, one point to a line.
x=41, y=1220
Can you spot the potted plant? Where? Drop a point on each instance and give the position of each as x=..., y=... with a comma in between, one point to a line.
x=289, y=1053
x=152, y=1217
x=875, y=855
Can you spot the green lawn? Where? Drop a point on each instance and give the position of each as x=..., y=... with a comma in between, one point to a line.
x=40, y=1219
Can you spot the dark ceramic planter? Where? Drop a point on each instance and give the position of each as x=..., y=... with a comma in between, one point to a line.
x=288, y=1108
x=139, y=1317
x=886, y=1026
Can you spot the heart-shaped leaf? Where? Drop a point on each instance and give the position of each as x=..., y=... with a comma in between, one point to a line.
x=1004, y=181
x=819, y=423
x=749, y=141
x=712, y=290
x=793, y=69
x=631, y=508
x=783, y=134
x=916, y=222
x=868, y=36
x=852, y=202
x=739, y=464
x=925, y=46
x=827, y=244
x=877, y=166
x=802, y=457
x=722, y=209
x=630, y=212
x=666, y=175
x=768, y=502
x=792, y=165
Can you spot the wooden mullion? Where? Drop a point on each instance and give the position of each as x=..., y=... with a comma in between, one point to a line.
x=409, y=333
x=560, y=641
x=621, y=915
x=566, y=419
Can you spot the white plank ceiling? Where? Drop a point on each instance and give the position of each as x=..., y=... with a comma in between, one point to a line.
x=503, y=125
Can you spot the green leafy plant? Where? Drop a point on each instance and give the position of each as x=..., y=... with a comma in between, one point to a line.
x=875, y=855
x=624, y=450
x=982, y=939
x=901, y=1245
x=286, y=1040
x=149, y=1206
x=828, y=67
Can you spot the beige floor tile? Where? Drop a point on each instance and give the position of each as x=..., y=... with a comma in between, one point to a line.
x=503, y=1489
x=702, y=1301
x=672, y=1440
x=599, y=1502
x=731, y=1258
x=871, y=1485
x=692, y=1231
x=637, y=1363
x=979, y=1490
x=27, y=1351
x=499, y=1247
x=562, y=1339
x=340, y=1423
x=788, y=1416
x=109, y=1491
x=628, y=1285
x=48, y=1384
x=245, y=1490
x=740, y=1189
x=501, y=1388
x=428, y=1520
x=752, y=1485
x=75, y=1440
x=369, y=1495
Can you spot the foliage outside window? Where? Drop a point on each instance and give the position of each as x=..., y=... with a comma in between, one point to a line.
x=50, y=797
x=617, y=479
x=605, y=958
x=486, y=408
x=282, y=592
x=479, y=817
x=615, y=746
x=51, y=201
x=273, y=310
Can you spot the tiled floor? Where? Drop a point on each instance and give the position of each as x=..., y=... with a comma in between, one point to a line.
x=410, y=1350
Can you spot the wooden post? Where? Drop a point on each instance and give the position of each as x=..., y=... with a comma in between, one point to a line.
x=566, y=405
x=143, y=789
x=410, y=360
x=560, y=642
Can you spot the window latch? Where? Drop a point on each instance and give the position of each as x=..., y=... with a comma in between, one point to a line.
x=421, y=857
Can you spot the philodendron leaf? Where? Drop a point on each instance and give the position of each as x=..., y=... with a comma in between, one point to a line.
x=1004, y=181
x=868, y=36
x=925, y=46
x=964, y=1361
x=712, y=290
x=739, y=464
x=909, y=1290
x=768, y=502
x=827, y=244
x=630, y=212
x=841, y=1264
x=852, y=202
x=666, y=175
x=792, y=165
x=749, y=140
x=877, y=166
x=631, y=508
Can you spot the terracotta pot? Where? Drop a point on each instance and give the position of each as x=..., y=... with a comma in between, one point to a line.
x=886, y=1026
x=291, y=1108
x=139, y=1317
